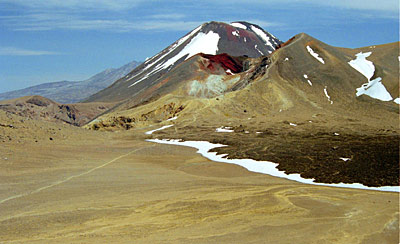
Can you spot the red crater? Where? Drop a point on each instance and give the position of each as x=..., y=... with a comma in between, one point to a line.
x=223, y=60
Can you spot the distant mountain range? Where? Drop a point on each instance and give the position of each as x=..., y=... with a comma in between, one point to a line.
x=73, y=91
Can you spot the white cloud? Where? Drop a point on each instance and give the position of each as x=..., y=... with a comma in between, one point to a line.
x=14, y=51
x=169, y=25
x=114, y=5
x=60, y=21
x=168, y=16
x=382, y=5
x=39, y=15
x=117, y=5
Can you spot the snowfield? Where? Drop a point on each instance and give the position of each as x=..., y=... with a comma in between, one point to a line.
x=205, y=43
x=264, y=167
x=315, y=55
x=238, y=25
x=362, y=65
x=263, y=36
x=201, y=43
x=374, y=88
x=150, y=63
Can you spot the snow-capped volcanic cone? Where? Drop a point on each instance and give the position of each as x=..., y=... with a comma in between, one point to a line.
x=304, y=76
x=323, y=112
x=236, y=39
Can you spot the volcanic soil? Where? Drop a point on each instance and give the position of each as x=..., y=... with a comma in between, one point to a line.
x=328, y=155
x=63, y=184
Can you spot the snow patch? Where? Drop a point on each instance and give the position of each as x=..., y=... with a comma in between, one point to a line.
x=264, y=167
x=162, y=128
x=397, y=100
x=374, y=89
x=286, y=59
x=258, y=50
x=236, y=33
x=174, y=46
x=239, y=25
x=150, y=63
x=336, y=134
x=141, y=79
x=315, y=55
x=224, y=129
x=262, y=35
x=201, y=43
x=135, y=76
x=326, y=94
x=292, y=124
x=306, y=77
x=229, y=72
x=345, y=159
x=173, y=118
x=362, y=65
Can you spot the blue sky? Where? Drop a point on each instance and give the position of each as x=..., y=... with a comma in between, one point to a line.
x=52, y=40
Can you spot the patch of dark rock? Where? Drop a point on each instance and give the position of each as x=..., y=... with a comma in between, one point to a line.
x=374, y=160
x=7, y=126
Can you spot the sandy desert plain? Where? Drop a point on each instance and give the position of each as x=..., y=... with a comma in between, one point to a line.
x=64, y=184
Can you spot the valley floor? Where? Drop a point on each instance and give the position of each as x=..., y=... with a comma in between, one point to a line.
x=117, y=188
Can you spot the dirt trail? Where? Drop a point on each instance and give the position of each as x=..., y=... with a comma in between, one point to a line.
x=70, y=177
x=169, y=194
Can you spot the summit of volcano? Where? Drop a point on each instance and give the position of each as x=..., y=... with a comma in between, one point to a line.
x=305, y=90
x=236, y=39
